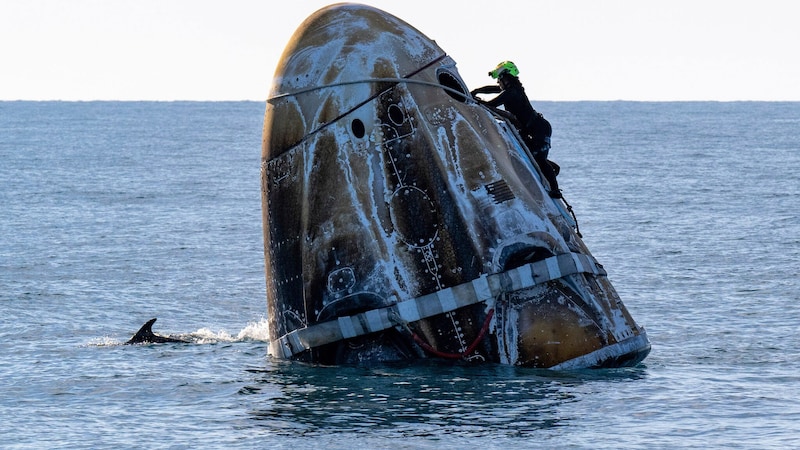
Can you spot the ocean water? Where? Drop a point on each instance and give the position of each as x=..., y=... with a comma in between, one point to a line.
x=112, y=213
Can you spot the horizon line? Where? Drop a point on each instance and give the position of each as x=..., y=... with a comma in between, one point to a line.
x=21, y=100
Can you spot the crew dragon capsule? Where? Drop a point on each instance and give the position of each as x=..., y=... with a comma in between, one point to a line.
x=403, y=220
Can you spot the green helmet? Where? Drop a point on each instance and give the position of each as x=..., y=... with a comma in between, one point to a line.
x=505, y=66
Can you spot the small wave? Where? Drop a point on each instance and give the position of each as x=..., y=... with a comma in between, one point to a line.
x=253, y=331
x=105, y=341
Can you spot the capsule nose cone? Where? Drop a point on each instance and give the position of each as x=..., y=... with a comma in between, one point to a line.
x=329, y=68
x=350, y=42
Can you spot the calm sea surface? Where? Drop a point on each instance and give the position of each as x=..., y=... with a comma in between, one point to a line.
x=114, y=213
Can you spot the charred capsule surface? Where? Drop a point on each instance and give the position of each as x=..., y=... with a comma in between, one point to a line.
x=404, y=220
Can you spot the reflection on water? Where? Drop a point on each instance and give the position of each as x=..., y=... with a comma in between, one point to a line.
x=413, y=400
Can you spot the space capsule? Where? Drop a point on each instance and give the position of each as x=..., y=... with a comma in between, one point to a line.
x=404, y=220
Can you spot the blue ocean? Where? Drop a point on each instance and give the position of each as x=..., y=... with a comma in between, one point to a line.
x=113, y=213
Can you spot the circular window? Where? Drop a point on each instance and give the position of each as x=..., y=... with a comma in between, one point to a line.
x=358, y=128
x=452, y=85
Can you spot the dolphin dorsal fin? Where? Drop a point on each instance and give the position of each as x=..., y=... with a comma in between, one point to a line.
x=145, y=334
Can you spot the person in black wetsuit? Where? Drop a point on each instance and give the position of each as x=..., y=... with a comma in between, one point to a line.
x=532, y=126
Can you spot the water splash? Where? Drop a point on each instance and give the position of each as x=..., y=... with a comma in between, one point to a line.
x=105, y=341
x=253, y=331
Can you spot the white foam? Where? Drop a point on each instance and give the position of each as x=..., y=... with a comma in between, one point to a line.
x=253, y=331
x=105, y=341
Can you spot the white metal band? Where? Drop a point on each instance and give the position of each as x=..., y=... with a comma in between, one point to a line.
x=482, y=289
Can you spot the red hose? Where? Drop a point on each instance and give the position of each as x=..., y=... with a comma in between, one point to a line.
x=428, y=348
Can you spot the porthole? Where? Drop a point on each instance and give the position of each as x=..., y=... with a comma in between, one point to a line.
x=452, y=85
x=357, y=126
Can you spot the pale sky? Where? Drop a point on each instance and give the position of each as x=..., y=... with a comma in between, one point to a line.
x=565, y=49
